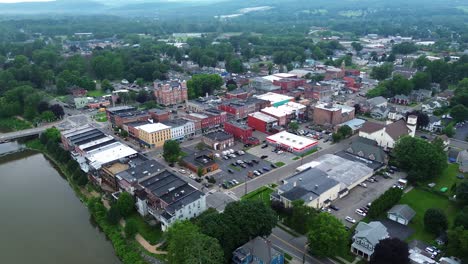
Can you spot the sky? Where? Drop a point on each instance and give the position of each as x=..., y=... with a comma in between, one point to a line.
x=19, y=1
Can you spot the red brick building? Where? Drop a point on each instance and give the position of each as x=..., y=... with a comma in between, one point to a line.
x=289, y=83
x=261, y=122
x=126, y=117
x=78, y=91
x=209, y=119
x=171, y=93
x=332, y=114
x=317, y=92
x=239, y=93
x=238, y=109
x=159, y=115
x=238, y=130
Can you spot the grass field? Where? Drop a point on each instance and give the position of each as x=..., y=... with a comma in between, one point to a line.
x=101, y=117
x=420, y=201
x=262, y=193
x=279, y=164
x=96, y=93
x=448, y=178
x=152, y=234
x=13, y=124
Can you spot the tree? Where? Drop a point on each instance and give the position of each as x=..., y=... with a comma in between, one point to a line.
x=125, y=204
x=200, y=171
x=113, y=216
x=301, y=217
x=459, y=113
x=142, y=96
x=462, y=192
x=131, y=228
x=57, y=110
x=293, y=126
x=345, y=130
x=386, y=201
x=389, y=251
x=423, y=118
x=404, y=48
x=327, y=236
x=47, y=116
x=382, y=72
x=200, y=146
x=106, y=85
x=449, y=130
x=457, y=243
x=186, y=245
x=337, y=137
x=461, y=219
x=52, y=134
x=421, y=159
x=202, y=84
x=171, y=151
x=357, y=108
x=357, y=46
x=231, y=87
x=421, y=80
x=435, y=221
x=42, y=106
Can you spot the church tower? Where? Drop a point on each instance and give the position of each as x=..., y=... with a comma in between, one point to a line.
x=411, y=122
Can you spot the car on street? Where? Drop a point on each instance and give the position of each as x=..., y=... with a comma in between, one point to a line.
x=360, y=212
x=235, y=182
x=256, y=173
x=350, y=219
x=333, y=207
x=363, y=185
x=264, y=157
x=182, y=171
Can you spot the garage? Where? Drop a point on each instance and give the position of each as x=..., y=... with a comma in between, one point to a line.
x=401, y=213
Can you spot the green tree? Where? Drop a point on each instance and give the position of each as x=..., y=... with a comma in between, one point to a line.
x=449, y=130
x=125, y=204
x=113, y=216
x=462, y=192
x=293, y=126
x=186, y=245
x=457, y=243
x=200, y=146
x=337, y=137
x=52, y=134
x=47, y=116
x=382, y=72
x=386, y=201
x=200, y=171
x=131, y=228
x=106, y=85
x=389, y=251
x=462, y=218
x=421, y=159
x=301, y=217
x=421, y=80
x=327, y=236
x=171, y=151
x=345, y=130
x=202, y=84
x=459, y=113
x=357, y=46
x=435, y=221
x=231, y=87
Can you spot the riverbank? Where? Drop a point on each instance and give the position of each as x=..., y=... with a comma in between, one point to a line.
x=127, y=250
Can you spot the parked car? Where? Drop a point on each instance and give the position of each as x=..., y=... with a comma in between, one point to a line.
x=264, y=157
x=255, y=161
x=350, y=219
x=235, y=182
x=266, y=169
x=234, y=164
x=273, y=166
x=217, y=155
x=334, y=207
x=239, y=162
x=243, y=165
x=232, y=156
x=280, y=152
x=256, y=173
x=240, y=152
x=360, y=212
x=264, y=146
x=363, y=185
x=230, y=171
x=225, y=157
x=247, y=145
x=182, y=171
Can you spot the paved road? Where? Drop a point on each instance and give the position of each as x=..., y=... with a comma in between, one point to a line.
x=454, y=143
x=25, y=133
x=277, y=175
x=294, y=246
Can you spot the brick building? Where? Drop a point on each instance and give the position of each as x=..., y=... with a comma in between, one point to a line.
x=318, y=92
x=126, y=117
x=218, y=140
x=332, y=114
x=111, y=112
x=238, y=130
x=238, y=109
x=159, y=115
x=261, y=122
x=203, y=159
x=239, y=93
x=289, y=84
x=207, y=120
x=132, y=128
x=171, y=92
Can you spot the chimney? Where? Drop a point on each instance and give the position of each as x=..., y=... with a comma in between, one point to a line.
x=295, y=184
x=316, y=186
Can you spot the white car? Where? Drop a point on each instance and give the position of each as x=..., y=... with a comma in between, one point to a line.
x=350, y=219
x=235, y=181
x=360, y=212
x=280, y=152
x=256, y=173
x=363, y=185
x=182, y=171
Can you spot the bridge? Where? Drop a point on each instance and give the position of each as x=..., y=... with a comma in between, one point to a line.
x=24, y=133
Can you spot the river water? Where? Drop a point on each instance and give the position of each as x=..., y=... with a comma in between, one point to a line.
x=41, y=219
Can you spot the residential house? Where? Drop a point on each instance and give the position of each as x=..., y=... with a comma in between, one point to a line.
x=368, y=149
x=445, y=95
x=406, y=72
x=366, y=237
x=386, y=135
x=420, y=95
x=462, y=160
x=380, y=112
x=400, y=99
x=401, y=213
x=378, y=101
x=259, y=251
x=432, y=105
x=434, y=125
x=80, y=102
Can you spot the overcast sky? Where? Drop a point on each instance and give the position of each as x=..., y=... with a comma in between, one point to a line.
x=18, y=1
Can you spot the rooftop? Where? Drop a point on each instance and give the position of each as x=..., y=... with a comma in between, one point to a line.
x=274, y=97
x=143, y=170
x=335, y=107
x=175, y=122
x=109, y=153
x=258, y=247
x=218, y=136
x=239, y=125
x=294, y=141
x=123, y=108
x=263, y=117
x=153, y=127
x=403, y=210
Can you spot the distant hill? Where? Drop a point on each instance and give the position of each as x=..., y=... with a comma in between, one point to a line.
x=54, y=7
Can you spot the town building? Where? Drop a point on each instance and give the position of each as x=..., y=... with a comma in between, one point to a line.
x=111, y=112
x=386, y=135
x=129, y=179
x=100, y=102
x=180, y=128
x=275, y=99
x=406, y=72
x=257, y=250
x=168, y=198
x=72, y=139
x=238, y=109
x=159, y=115
x=132, y=128
x=401, y=213
x=311, y=185
x=171, y=92
x=209, y=119
x=286, y=112
x=218, y=140
x=332, y=114
x=121, y=118
x=203, y=103
x=292, y=143
x=261, y=122
x=318, y=91
x=261, y=84
x=400, y=99
x=355, y=124
x=203, y=160
x=98, y=157
x=239, y=131
x=239, y=93
x=367, y=149
x=78, y=91
x=366, y=237
x=80, y=102
x=289, y=84
x=154, y=134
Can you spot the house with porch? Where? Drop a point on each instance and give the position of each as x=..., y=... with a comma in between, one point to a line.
x=366, y=237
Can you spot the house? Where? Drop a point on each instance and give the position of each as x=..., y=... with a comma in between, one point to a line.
x=378, y=101
x=386, y=135
x=313, y=186
x=462, y=160
x=218, y=140
x=379, y=112
x=400, y=99
x=420, y=95
x=446, y=95
x=366, y=237
x=395, y=113
x=401, y=213
x=368, y=149
x=355, y=124
x=259, y=251
x=432, y=105
x=78, y=91
x=406, y=72
x=434, y=125
x=202, y=160
x=80, y=102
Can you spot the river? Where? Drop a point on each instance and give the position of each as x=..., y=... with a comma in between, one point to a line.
x=41, y=219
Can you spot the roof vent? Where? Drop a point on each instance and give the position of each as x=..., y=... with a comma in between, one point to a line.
x=316, y=186
x=145, y=172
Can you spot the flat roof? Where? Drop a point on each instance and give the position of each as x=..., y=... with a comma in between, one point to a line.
x=198, y=115
x=275, y=111
x=109, y=153
x=78, y=130
x=263, y=117
x=294, y=141
x=141, y=171
x=306, y=184
x=274, y=97
x=153, y=127
x=218, y=136
x=285, y=75
x=271, y=78
x=335, y=107
x=95, y=142
x=354, y=124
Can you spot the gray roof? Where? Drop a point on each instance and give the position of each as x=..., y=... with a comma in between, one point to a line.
x=377, y=100
x=141, y=171
x=403, y=211
x=373, y=232
x=433, y=119
x=309, y=183
x=368, y=149
x=257, y=247
x=218, y=136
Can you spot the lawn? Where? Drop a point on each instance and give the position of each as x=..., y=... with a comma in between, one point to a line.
x=420, y=201
x=96, y=93
x=152, y=234
x=262, y=193
x=447, y=179
x=13, y=124
x=234, y=167
x=101, y=117
x=279, y=164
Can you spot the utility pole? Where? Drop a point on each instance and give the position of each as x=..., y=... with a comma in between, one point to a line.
x=245, y=185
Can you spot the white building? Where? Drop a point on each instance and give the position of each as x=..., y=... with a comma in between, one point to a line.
x=180, y=128
x=366, y=237
x=386, y=135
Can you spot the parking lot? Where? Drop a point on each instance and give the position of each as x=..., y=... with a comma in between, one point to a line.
x=285, y=157
x=360, y=197
x=239, y=173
